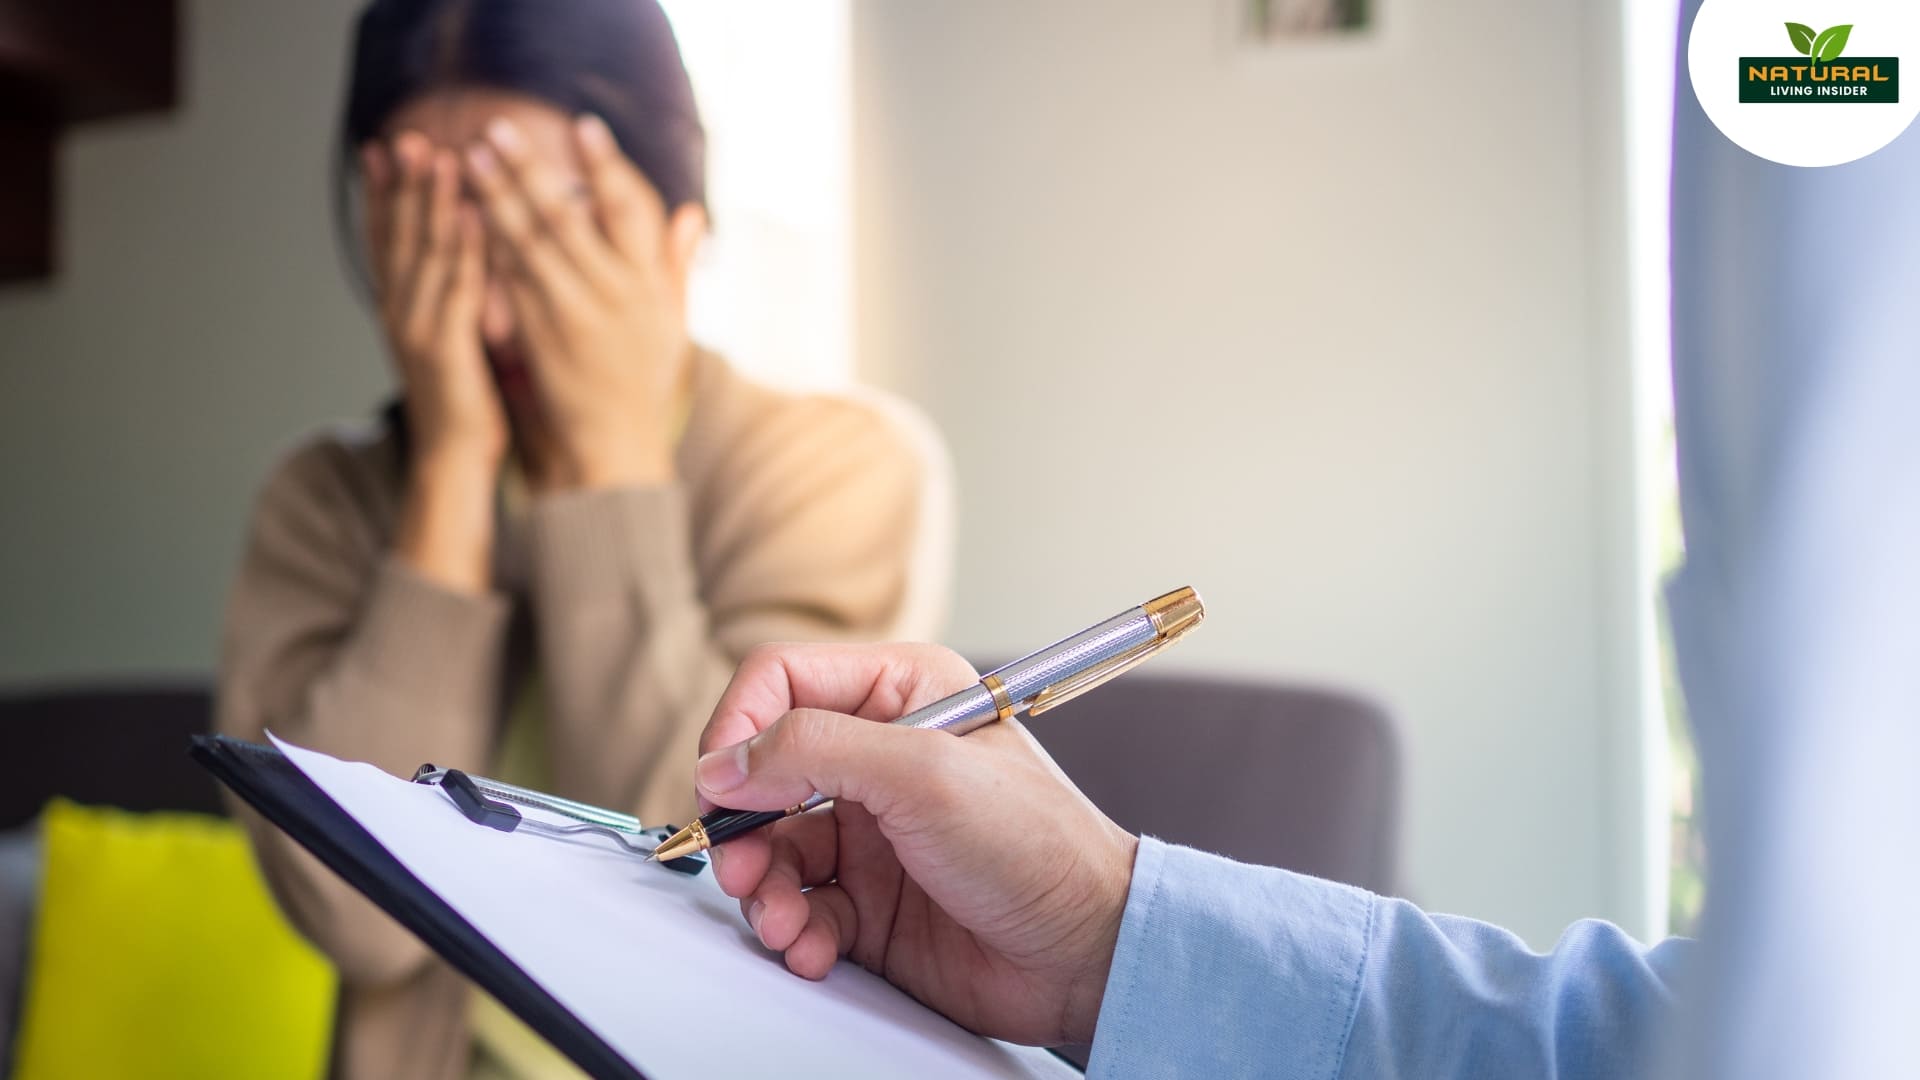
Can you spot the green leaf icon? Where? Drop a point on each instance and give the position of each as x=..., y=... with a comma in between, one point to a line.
x=1828, y=46
x=1802, y=36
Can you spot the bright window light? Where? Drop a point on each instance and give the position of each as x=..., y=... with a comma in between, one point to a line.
x=1672, y=867
x=773, y=287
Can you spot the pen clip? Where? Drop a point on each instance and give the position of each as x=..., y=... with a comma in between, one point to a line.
x=1073, y=686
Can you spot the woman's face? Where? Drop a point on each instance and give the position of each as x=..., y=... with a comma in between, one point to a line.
x=456, y=119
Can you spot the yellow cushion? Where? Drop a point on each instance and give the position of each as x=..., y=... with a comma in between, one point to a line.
x=157, y=951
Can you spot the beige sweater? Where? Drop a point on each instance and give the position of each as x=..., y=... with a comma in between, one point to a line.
x=794, y=517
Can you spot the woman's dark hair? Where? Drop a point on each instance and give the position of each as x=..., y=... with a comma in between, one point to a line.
x=614, y=58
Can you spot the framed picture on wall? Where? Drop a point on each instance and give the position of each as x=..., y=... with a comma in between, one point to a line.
x=1294, y=22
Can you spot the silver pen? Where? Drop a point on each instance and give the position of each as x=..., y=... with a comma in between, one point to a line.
x=1032, y=684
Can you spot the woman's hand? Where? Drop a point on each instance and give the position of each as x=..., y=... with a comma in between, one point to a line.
x=429, y=272
x=597, y=305
x=968, y=872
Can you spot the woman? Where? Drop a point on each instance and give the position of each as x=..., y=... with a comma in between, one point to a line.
x=544, y=562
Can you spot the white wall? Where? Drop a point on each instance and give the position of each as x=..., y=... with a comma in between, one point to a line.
x=1330, y=334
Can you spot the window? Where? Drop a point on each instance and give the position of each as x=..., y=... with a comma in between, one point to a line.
x=1650, y=48
x=773, y=286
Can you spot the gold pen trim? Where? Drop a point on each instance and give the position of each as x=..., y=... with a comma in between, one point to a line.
x=1175, y=613
x=1001, y=702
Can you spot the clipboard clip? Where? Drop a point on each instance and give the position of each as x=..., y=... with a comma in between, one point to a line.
x=494, y=805
x=1174, y=615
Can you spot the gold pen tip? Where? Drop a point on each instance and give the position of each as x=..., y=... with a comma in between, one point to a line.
x=686, y=842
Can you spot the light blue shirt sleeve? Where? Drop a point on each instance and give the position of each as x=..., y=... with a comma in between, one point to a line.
x=1225, y=970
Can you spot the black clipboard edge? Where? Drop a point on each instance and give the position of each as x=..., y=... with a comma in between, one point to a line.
x=274, y=786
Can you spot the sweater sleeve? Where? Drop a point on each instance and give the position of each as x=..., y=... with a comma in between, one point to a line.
x=332, y=645
x=815, y=531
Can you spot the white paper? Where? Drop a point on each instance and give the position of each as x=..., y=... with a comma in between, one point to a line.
x=640, y=953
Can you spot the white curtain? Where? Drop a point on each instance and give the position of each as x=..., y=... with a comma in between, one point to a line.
x=1796, y=365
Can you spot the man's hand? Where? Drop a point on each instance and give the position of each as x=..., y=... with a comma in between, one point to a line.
x=969, y=872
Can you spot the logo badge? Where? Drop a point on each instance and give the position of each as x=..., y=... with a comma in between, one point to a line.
x=1743, y=75
x=1819, y=74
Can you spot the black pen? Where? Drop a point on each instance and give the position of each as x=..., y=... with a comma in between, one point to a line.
x=1032, y=684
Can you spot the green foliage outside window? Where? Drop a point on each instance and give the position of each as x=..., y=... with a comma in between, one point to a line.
x=1687, y=884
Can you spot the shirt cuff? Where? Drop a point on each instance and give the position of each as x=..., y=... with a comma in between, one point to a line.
x=1224, y=969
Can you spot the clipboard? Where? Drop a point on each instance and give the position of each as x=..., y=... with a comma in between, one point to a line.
x=281, y=793
x=558, y=939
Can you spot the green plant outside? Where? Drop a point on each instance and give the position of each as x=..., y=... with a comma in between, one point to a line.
x=1687, y=852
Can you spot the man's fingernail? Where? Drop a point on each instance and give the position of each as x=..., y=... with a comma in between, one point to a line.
x=480, y=158
x=595, y=131
x=713, y=856
x=504, y=135
x=754, y=913
x=723, y=770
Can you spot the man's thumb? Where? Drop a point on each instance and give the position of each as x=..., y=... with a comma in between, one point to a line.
x=810, y=750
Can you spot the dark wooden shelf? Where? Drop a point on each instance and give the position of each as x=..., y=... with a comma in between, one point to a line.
x=67, y=62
